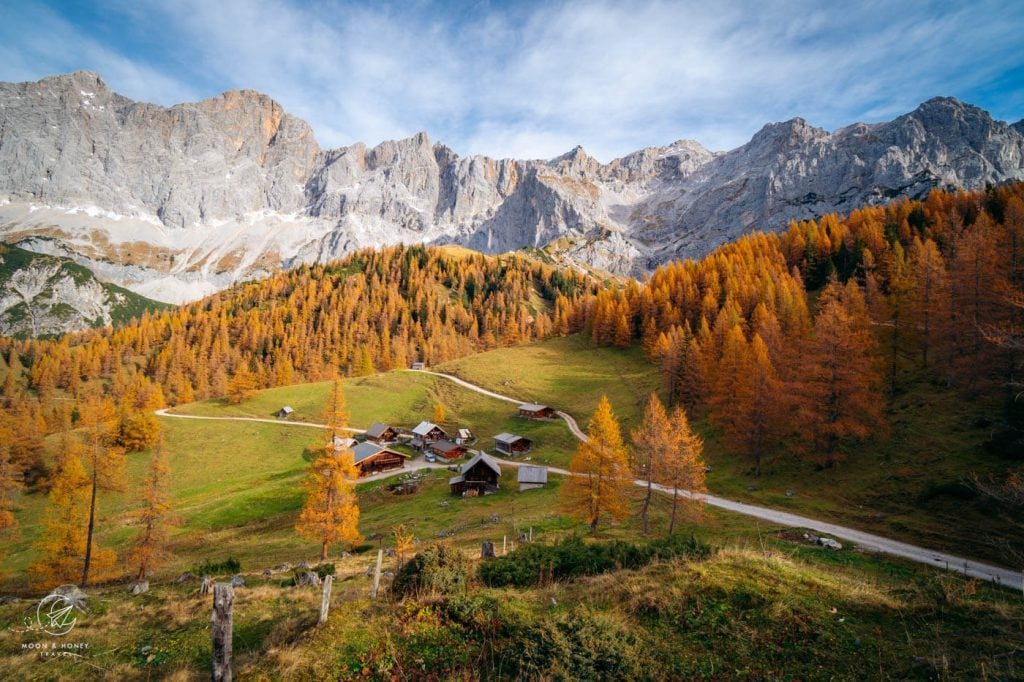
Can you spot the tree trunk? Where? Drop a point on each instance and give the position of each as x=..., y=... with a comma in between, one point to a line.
x=647, y=502
x=323, y=551
x=675, y=504
x=88, y=537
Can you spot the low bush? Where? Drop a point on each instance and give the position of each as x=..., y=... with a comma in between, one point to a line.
x=439, y=569
x=209, y=567
x=572, y=557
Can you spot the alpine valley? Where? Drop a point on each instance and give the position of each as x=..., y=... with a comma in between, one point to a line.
x=177, y=203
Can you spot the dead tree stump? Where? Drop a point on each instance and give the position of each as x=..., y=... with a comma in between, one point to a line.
x=207, y=585
x=325, y=599
x=223, y=598
x=376, y=574
x=487, y=550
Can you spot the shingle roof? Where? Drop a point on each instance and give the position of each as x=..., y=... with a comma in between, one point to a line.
x=532, y=407
x=508, y=438
x=445, y=446
x=376, y=430
x=465, y=433
x=486, y=459
x=364, y=451
x=423, y=428
x=532, y=474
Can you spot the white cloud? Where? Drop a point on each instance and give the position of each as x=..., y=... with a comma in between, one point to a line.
x=534, y=81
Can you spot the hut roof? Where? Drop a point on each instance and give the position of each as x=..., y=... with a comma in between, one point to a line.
x=365, y=451
x=423, y=428
x=486, y=459
x=376, y=430
x=533, y=407
x=508, y=438
x=446, y=446
x=532, y=474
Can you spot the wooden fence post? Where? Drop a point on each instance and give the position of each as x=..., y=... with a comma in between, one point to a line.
x=504, y=545
x=376, y=574
x=223, y=598
x=325, y=599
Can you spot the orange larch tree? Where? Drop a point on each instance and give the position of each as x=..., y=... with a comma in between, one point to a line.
x=838, y=385
x=150, y=547
x=600, y=479
x=653, y=442
x=104, y=463
x=684, y=469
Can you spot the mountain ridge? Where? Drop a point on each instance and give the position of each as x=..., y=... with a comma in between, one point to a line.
x=177, y=202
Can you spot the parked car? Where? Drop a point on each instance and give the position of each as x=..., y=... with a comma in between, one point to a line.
x=430, y=457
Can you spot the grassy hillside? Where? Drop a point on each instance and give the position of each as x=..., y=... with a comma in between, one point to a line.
x=568, y=373
x=764, y=606
x=914, y=484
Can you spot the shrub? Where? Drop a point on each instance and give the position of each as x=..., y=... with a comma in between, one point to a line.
x=229, y=565
x=324, y=570
x=581, y=645
x=438, y=569
x=572, y=557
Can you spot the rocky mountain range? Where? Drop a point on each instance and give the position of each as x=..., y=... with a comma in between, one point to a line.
x=175, y=203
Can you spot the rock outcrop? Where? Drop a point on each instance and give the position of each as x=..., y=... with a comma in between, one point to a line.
x=175, y=203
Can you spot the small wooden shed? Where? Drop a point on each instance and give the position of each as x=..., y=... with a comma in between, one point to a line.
x=530, y=477
x=285, y=412
x=480, y=474
x=536, y=411
x=512, y=445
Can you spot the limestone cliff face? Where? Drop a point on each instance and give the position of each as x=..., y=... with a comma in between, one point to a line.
x=177, y=202
x=42, y=294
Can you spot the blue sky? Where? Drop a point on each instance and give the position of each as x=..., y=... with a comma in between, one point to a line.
x=534, y=79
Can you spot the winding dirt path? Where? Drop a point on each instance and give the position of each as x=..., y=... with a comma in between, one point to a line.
x=864, y=540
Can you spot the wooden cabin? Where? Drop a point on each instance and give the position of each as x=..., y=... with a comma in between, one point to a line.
x=447, y=449
x=419, y=366
x=512, y=445
x=531, y=477
x=381, y=433
x=480, y=474
x=535, y=411
x=285, y=412
x=371, y=458
x=428, y=432
x=464, y=437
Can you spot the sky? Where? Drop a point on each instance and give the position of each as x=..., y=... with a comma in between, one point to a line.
x=535, y=79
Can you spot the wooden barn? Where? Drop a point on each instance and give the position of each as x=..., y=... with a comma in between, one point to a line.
x=535, y=411
x=480, y=474
x=512, y=445
x=371, y=458
x=464, y=437
x=530, y=477
x=426, y=433
x=447, y=449
x=381, y=433
x=285, y=411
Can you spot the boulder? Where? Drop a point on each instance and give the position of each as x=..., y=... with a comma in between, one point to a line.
x=185, y=577
x=306, y=578
x=267, y=573
x=140, y=587
x=829, y=543
x=74, y=594
x=237, y=581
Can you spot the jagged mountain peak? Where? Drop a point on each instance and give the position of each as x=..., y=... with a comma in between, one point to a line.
x=177, y=202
